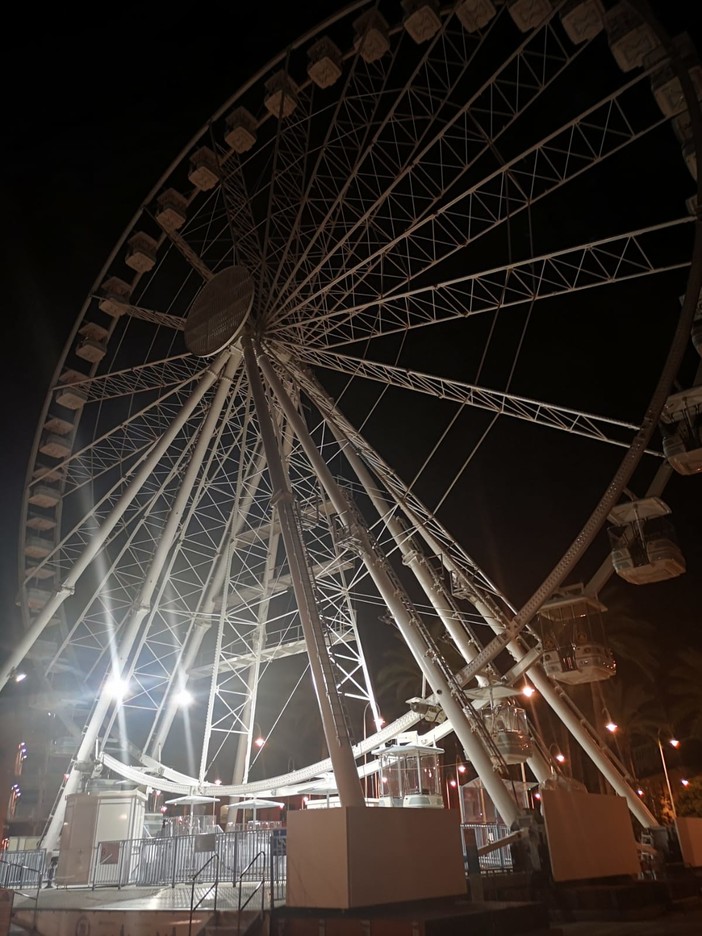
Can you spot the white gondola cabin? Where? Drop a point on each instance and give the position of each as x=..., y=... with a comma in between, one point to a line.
x=508, y=727
x=573, y=638
x=644, y=547
x=410, y=776
x=681, y=427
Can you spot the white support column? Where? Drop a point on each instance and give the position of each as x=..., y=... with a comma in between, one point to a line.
x=416, y=562
x=335, y=731
x=230, y=361
x=500, y=795
x=559, y=702
x=553, y=695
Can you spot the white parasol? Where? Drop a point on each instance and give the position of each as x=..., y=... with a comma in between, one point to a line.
x=192, y=799
x=257, y=804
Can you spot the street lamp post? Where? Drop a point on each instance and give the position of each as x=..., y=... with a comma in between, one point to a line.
x=673, y=743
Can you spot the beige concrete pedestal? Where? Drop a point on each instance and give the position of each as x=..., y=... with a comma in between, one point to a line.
x=356, y=857
x=589, y=835
x=690, y=837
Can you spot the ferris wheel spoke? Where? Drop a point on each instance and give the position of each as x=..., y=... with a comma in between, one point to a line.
x=604, y=262
x=121, y=445
x=576, y=147
x=178, y=371
x=283, y=190
x=399, y=491
x=142, y=525
x=362, y=119
x=60, y=558
x=352, y=122
x=103, y=532
x=203, y=235
x=237, y=206
x=572, y=421
x=454, y=141
x=163, y=319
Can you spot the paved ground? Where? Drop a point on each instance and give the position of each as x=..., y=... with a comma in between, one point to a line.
x=137, y=898
x=677, y=922
x=685, y=920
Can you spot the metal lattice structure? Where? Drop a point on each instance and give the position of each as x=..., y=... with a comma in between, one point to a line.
x=420, y=206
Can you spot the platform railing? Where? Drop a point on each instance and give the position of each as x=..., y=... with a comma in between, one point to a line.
x=260, y=886
x=15, y=866
x=204, y=873
x=171, y=860
x=14, y=877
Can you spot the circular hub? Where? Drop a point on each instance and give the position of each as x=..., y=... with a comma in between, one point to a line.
x=219, y=312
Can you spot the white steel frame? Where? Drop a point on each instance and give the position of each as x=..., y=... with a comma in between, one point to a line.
x=199, y=494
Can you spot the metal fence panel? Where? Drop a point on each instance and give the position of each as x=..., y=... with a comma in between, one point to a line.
x=164, y=860
x=485, y=833
x=22, y=868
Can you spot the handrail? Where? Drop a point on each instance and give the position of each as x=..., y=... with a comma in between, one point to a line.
x=213, y=887
x=34, y=897
x=502, y=842
x=259, y=886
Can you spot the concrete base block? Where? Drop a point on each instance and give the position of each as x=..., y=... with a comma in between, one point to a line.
x=356, y=857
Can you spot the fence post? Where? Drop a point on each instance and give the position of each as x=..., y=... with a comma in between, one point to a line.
x=175, y=856
x=271, y=847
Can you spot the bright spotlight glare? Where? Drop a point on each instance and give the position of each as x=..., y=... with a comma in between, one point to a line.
x=528, y=691
x=259, y=742
x=685, y=782
x=560, y=758
x=116, y=687
x=611, y=726
x=674, y=743
x=184, y=697
x=20, y=676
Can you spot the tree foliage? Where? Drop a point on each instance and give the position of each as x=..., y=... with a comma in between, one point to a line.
x=689, y=801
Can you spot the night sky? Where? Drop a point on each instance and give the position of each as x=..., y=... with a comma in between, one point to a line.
x=93, y=116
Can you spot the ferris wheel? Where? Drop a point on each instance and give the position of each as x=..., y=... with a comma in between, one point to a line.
x=365, y=353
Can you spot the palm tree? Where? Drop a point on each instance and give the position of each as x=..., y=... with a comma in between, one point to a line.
x=633, y=639
x=684, y=684
x=639, y=711
x=399, y=678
